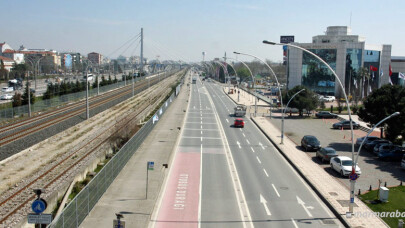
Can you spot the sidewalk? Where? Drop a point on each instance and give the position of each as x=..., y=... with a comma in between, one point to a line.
x=334, y=194
x=127, y=194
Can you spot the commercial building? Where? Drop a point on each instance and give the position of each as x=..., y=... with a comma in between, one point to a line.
x=95, y=58
x=349, y=55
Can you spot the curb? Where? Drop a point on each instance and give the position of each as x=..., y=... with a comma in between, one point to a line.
x=321, y=196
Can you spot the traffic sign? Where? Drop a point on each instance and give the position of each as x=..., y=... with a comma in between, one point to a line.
x=39, y=206
x=151, y=165
x=118, y=223
x=39, y=218
x=353, y=176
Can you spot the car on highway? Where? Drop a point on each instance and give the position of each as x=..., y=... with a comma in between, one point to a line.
x=7, y=89
x=369, y=139
x=343, y=165
x=329, y=98
x=310, y=142
x=325, y=114
x=389, y=152
x=326, y=153
x=6, y=97
x=345, y=124
x=403, y=162
x=370, y=145
x=239, y=122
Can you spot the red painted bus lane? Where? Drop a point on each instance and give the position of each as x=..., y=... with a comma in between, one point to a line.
x=180, y=201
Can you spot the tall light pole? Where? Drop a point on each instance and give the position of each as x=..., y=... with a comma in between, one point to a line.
x=253, y=81
x=271, y=70
x=351, y=205
x=282, y=120
x=87, y=90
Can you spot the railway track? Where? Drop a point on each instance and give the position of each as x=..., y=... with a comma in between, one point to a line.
x=16, y=202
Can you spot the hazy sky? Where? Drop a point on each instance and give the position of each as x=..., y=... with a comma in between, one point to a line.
x=183, y=29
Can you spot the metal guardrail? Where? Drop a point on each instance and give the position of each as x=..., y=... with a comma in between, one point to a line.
x=77, y=210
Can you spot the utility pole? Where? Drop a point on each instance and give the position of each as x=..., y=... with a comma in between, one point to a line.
x=141, y=70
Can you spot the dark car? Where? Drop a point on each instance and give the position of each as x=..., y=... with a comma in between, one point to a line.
x=324, y=114
x=239, y=123
x=369, y=139
x=345, y=124
x=326, y=153
x=370, y=145
x=390, y=152
x=310, y=142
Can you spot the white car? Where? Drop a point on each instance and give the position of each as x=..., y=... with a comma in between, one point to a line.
x=343, y=165
x=329, y=98
x=7, y=89
x=6, y=97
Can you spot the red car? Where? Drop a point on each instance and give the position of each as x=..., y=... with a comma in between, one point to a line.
x=239, y=123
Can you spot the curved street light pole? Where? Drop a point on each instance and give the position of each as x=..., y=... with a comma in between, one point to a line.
x=282, y=120
x=87, y=90
x=253, y=81
x=271, y=70
x=351, y=205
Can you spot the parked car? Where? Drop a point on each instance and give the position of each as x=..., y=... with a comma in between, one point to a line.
x=343, y=165
x=369, y=139
x=7, y=89
x=239, y=123
x=370, y=145
x=310, y=142
x=345, y=124
x=389, y=152
x=326, y=153
x=6, y=97
x=403, y=162
x=325, y=114
x=329, y=98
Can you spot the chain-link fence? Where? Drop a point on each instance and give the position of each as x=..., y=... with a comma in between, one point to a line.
x=77, y=210
x=43, y=105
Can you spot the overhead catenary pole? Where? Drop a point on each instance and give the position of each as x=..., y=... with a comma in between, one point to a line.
x=141, y=67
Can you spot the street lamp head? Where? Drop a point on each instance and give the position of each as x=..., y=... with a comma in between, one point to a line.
x=269, y=42
x=395, y=114
x=236, y=52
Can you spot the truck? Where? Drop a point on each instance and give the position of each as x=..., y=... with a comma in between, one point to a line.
x=240, y=110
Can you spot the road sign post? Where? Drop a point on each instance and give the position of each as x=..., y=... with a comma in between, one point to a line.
x=149, y=166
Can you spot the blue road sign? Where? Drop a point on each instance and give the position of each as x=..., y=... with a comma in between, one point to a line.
x=38, y=206
x=353, y=176
x=151, y=165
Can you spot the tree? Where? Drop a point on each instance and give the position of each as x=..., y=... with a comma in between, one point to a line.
x=3, y=71
x=19, y=70
x=382, y=103
x=304, y=100
x=25, y=96
x=17, y=100
x=243, y=74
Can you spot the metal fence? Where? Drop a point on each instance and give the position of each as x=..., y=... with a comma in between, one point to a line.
x=43, y=105
x=77, y=210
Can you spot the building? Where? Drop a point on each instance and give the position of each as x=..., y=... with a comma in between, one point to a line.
x=346, y=54
x=95, y=58
x=8, y=63
x=397, y=66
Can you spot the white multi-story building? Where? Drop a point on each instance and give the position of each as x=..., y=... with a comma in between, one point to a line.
x=346, y=54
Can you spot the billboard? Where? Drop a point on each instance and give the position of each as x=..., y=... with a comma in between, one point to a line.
x=68, y=60
x=286, y=39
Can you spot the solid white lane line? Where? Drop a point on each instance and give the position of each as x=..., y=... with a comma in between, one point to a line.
x=265, y=172
x=252, y=149
x=237, y=142
x=275, y=190
x=248, y=141
x=258, y=160
x=295, y=224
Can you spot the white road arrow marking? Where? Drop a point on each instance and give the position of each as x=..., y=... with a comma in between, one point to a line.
x=261, y=145
x=264, y=202
x=237, y=142
x=302, y=203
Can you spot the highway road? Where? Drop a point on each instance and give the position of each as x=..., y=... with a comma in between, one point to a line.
x=234, y=177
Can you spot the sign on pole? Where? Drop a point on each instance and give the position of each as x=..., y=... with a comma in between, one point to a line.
x=151, y=165
x=118, y=223
x=39, y=218
x=286, y=39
